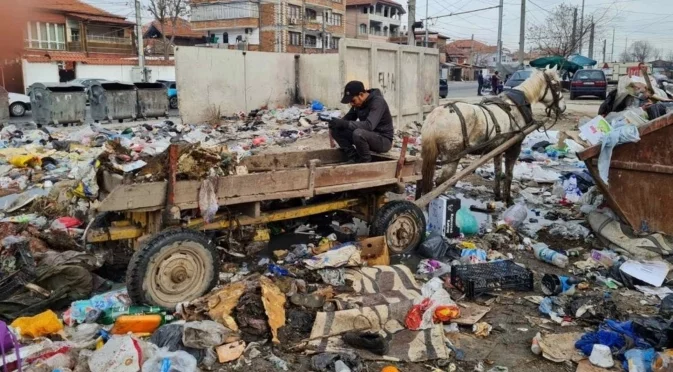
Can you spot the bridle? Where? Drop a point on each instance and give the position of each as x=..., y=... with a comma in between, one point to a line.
x=556, y=97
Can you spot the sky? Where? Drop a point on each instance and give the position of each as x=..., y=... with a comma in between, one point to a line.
x=631, y=19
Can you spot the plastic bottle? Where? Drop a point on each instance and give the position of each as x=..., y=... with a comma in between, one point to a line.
x=546, y=254
x=110, y=315
x=663, y=361
x=516, y=214
x=146, y=323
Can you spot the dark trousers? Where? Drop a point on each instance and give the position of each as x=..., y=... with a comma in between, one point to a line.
x=481, y=86
x=364, y=141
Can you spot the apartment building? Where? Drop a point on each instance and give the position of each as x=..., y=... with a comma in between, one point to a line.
x=292, y=26
x=376, y=20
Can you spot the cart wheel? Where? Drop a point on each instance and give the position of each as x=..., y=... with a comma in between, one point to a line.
x=173, y=266
x=402, y=223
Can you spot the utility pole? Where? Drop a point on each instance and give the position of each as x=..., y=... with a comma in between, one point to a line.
x=499, y=62
x=574, y=38
x=472, y=50
x=411, y=19
x=612, y=53
x=425, y=23
x=522, y=32
x=605, y=44
x=591, y=40
x=323, y=37
x=626, y=44
x=141, y=49
x=581, y=28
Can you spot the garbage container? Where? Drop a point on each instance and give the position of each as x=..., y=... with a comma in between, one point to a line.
x=4, y=106
x=152, y=100
x=57, y=103
x=113, y=101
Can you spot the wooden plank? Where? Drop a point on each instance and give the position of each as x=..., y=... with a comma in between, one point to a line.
x=354, y=173
x=287, y=160
x=152, y=195
x=355, y=186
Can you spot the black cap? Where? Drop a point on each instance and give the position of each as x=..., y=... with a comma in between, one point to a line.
x=353, y=88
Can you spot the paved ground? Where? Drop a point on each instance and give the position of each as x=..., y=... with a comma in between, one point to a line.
x=459, y=89
x=28, y=118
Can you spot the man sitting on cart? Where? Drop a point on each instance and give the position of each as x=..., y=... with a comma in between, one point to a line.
x=367, y=127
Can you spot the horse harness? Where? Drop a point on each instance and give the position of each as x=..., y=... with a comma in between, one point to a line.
x=520, y=102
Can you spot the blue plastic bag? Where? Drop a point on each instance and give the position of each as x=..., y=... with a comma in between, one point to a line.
x=317, y=106
x=639, y=360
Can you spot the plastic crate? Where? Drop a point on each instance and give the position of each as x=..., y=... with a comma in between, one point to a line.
x=480, y=278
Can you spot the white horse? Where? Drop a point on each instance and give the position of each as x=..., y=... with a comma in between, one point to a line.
x=445, y=137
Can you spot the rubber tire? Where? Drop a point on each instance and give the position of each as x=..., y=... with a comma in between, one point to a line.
x=141, y=259
x=387, y=215
x=17, y=104
x=173, y=102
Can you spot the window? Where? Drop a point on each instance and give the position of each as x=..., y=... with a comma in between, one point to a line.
x=294, y=12
x=363, y=29
x=334, y=43
x=310, y=41
x=334, y=19
x=385, y=31
x=225, y=38
x=364, y=9
x=74, y=32
x=45, y=36
x=295, y=38
x=311, y=14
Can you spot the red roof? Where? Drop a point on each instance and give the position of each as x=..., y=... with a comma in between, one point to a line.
x=182, y=29
x=373, y=2
x=475, y=45
x=79, y=9
x=49, y=56
x=56, y=56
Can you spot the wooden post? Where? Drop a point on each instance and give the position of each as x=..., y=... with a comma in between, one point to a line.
x=403, y=155
x=171, y=212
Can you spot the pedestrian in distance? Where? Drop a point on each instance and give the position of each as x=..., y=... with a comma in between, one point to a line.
x=480, y=83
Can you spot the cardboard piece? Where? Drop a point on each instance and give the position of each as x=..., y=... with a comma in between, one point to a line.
x=651, y=272
x=442, y=216
x=586, y=366
x=470, y=313
x=560, y=347
x=375, y=251
x=594, y=130
x=230, y=352
x=274, y=306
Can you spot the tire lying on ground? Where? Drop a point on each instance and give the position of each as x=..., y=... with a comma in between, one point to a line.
x=402, y=223
x=173, y=266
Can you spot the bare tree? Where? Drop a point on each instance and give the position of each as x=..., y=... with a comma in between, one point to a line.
x=641, y=50
x=555, y=36
x=657, y=54
x=626, y=57
x=167, y=12
x=669, y=56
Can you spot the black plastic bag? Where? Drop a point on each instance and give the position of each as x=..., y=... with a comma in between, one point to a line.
x=170, y=336
x=435, y=246
x=657, y=331
x=666, y=307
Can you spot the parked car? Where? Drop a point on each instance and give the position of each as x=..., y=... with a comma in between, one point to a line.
x=517, y=78
x=589, y=83
x=172, y=93
x=443, y=88
x=18, y=104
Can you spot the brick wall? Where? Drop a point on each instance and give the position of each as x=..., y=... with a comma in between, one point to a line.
x=226, y=23
x=267, y=41
x=268, y=14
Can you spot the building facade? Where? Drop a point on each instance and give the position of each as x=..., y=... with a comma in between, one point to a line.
x=375, y=20
x=292, y=26
x=182, y=35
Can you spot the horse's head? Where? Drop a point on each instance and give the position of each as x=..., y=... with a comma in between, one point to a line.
x=552, y=95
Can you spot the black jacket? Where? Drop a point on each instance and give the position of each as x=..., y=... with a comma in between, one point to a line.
x=374, y=116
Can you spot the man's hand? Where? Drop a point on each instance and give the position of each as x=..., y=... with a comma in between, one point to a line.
x=338, y=124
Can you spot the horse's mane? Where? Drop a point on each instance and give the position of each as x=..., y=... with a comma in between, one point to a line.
x=533, y=86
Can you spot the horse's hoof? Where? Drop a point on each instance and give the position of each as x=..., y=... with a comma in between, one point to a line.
x=498, y=197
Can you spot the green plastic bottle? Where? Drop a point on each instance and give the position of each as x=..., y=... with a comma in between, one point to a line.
x=110, y=315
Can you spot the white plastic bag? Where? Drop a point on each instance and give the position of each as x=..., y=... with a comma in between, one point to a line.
x=516, y=214
x=166, y=361
x=208, y=200
x=204, y=334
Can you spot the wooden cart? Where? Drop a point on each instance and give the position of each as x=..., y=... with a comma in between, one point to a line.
x=175, y=259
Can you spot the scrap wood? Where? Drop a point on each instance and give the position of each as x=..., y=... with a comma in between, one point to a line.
x=221, y=304
x=274, y=305
x=470, y=313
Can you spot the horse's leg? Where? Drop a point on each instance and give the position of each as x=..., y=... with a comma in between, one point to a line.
x=448, y=170
x=497, y=166
x=511, y=155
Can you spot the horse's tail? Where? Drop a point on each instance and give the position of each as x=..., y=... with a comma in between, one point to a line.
x=429, y=153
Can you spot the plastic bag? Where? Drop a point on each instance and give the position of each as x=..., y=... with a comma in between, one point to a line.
x=40, y=325
x=204, y=334
x=167, y=361
x=119, y=354
x=516, y=214
x=435, y=246
x=622, y=134
x=572, y=192
x=639, y=360
x=80, y=310
x=24, y=161
x=666, y=307
x=423, y=314
x=169, y=336
x=466, y=222
x=208, y=204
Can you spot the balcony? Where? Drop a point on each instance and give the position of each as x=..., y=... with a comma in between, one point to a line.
x=103, y=44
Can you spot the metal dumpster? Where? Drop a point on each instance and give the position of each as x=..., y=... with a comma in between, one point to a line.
x=113, y=101
x=4, y=106
x=152, y=100
x=58, y=103
x=641, y=175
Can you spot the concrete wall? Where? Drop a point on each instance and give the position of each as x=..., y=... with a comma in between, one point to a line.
x=319, y=79
x=39, y=73
x=408, y=76
x=122, y=72
x=231, y=81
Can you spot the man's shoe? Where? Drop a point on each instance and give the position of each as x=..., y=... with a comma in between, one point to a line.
x=369, y=341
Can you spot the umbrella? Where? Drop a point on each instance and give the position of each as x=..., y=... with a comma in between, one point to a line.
x=558, y=61
x=582, y=60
